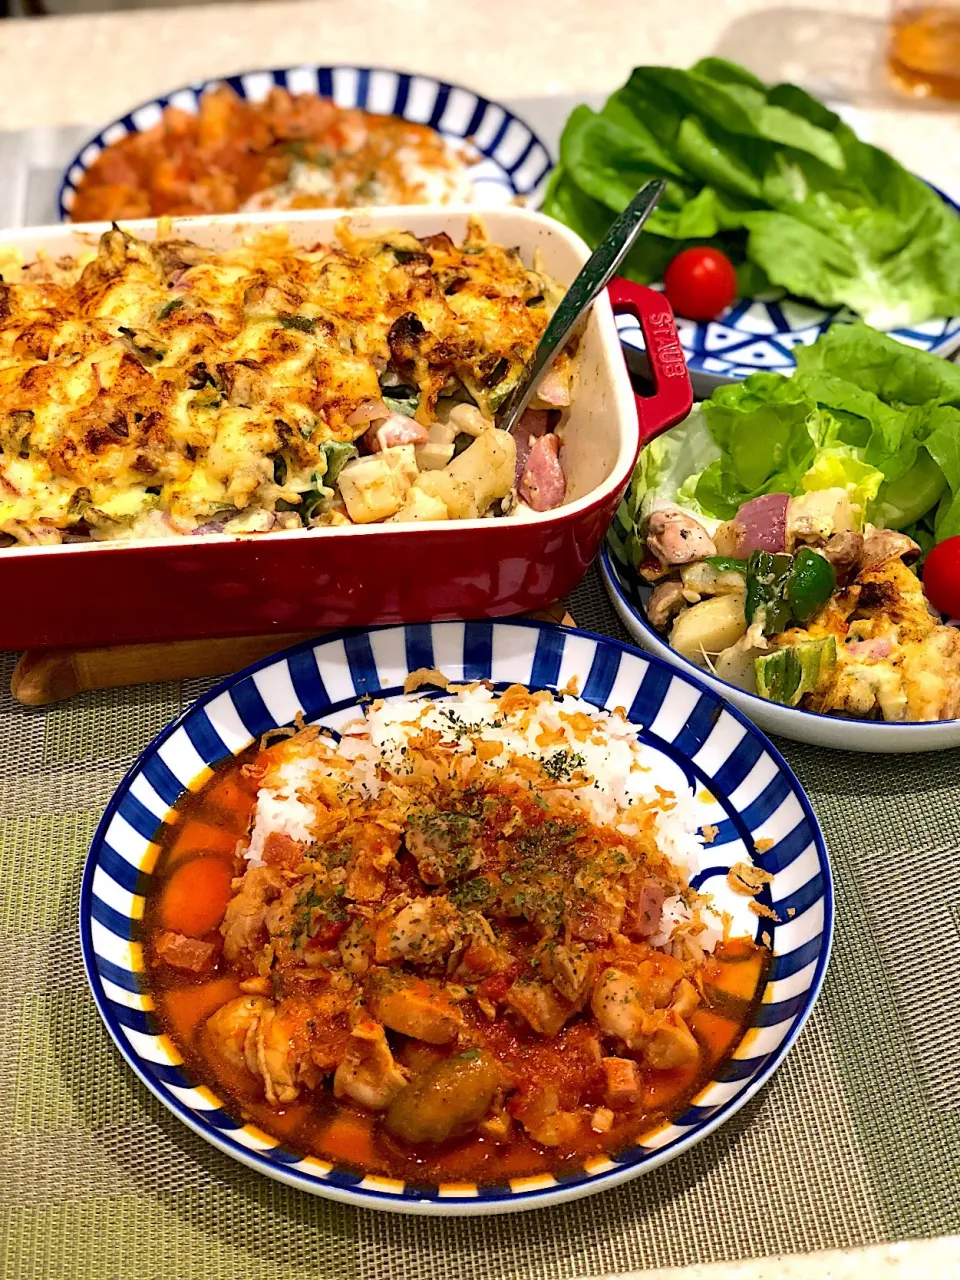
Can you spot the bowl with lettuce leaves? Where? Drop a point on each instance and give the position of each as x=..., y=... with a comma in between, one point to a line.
x=821, y=226
x=774, y=541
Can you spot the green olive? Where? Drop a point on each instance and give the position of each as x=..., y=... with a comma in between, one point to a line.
x=445, y=1101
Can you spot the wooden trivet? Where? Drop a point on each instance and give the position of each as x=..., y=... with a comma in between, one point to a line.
x=43, y=676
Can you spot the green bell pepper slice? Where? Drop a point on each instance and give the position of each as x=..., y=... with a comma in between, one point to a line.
x=767, y=574
x=727, y=564
x=810, y=584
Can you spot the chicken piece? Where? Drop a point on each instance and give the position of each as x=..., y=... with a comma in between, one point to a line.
x=447, y=1100
x=621, y=1082
x=676, y=538
x=368, y=1073
x=541, y=1006
x=477, y=954
x=568, y=968
x=444, y=845
x=884, y=544
x=415, y=1007
x=702, y=579
x=422, y=932
x=623, y=1000
x=356, y=947
x=685, y=998
x=269, y=1040
x=243, y=381
x=189, y=954
x=540, y=1114
x=282, y=1051
x=244, y=918
x=543, y=484
x=665, y=600
x=618, y=1006
x=233, y=1026
x=671, y=1044
x=845, y=553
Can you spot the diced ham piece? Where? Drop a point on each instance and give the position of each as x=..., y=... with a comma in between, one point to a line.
x=530, y=426
x=543, y=484
x=395, y=430
x=622, y=1085
x=643, y=919
x=871, y=650
x=182, y=952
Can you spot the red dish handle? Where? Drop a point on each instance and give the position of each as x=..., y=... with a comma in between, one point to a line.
x=673, y=398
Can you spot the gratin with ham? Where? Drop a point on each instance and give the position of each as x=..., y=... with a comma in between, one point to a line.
x=460, y=942
x=150, y=389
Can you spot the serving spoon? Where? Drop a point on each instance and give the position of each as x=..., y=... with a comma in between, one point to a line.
x=595, y=274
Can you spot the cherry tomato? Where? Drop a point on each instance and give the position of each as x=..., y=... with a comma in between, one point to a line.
x=700, y=283
x=941, y=577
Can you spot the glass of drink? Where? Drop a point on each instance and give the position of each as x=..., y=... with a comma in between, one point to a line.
x=924, y=53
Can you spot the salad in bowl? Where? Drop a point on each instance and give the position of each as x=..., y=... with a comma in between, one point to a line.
x=798, y=541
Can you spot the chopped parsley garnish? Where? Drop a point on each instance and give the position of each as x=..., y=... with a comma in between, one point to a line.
x=562, y=764
x=472, y=893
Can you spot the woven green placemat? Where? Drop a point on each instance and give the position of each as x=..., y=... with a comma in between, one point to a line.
x=855, y=1140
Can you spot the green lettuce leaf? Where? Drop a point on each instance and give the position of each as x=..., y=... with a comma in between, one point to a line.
x=775, y=179
x=839, y=467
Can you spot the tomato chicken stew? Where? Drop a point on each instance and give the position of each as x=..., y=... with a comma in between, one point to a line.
x=458, y=943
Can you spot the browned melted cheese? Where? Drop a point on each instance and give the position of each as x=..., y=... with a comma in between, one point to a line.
x=152, y=388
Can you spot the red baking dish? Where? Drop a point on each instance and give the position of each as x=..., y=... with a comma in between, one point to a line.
x=180, y=588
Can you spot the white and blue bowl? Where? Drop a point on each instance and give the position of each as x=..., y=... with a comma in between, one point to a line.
x=629, y=595
x=703, y=740
x=514, y=161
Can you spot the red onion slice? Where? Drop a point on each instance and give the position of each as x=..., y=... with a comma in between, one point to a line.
x=762, y=524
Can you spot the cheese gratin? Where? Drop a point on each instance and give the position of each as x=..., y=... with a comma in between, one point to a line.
x=150, y=389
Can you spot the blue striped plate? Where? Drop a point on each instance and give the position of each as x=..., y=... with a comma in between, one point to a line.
x=514, y=160
x=758, y=801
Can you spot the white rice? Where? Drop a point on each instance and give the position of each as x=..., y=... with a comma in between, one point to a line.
x=620, y=768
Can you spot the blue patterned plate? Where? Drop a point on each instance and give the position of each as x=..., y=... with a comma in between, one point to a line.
x=514, y=160
x=757, y=799
x=629, y=594
x=754, y=335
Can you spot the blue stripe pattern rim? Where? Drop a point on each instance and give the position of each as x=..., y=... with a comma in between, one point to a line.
x=344, y=1186
x=615, y=575
x=325, y=85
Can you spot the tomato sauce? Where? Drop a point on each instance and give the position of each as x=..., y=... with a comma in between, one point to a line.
x=201, y=855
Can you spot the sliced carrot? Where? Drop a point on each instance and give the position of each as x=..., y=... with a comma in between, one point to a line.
x=716, y=1034
x=348, y=1137
x=282, y=1122
x=662, y=1088
x=187, y=1007
x=196, y=896
x=194, y=836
